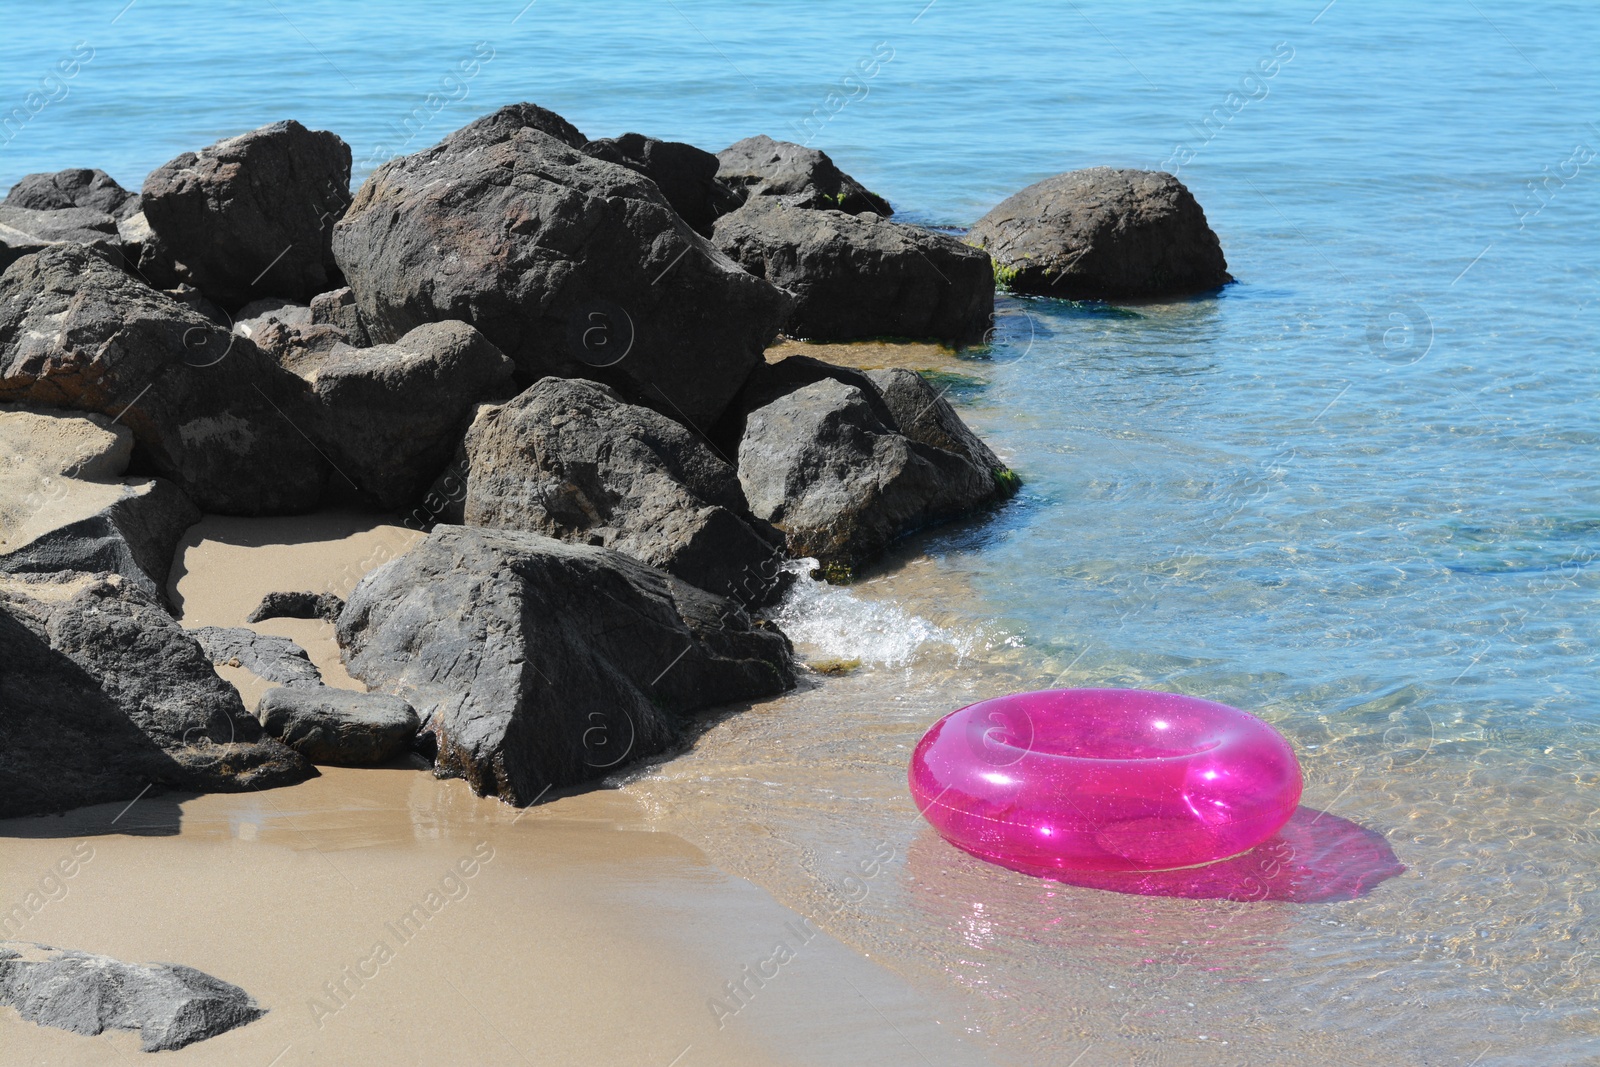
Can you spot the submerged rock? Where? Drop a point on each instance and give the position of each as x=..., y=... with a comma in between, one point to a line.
x=571, y=265
x=573, y=460
x=250, y=216
x=268, y=656
x=338, y=726
x=856, y=277
x=1103, y=233
x=169, y=1004
x=800, y=176
x=297, y=606
x=539, y=664
x=686, y=175
x=105, y=695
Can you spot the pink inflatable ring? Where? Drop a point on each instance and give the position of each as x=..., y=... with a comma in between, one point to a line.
x=1104, y=780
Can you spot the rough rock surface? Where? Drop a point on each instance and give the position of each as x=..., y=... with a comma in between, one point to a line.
x=500, y=125
x=251, y=216
x=74, y=225
x=841, y=484
x=208, y=411
x=1103, y=233
x=102, y=694
x=573, y=460
x=169, y=1004
x=861, y=276
x=801, y=176
x=537, y=663
x=337, y=308
x=297, y=606
x=571, y=265
x=65, y=506
x=338, y=726
x=923, y=414
x=686, y=175
x=75, y=187
x=277, y=659
x=390, y=417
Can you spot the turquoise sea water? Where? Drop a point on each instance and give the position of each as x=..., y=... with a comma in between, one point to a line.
x=1356, y=492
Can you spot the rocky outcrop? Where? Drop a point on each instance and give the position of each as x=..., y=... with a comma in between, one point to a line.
x=249, y=217
x=102, y=695
x=39, y=229
x=208, y=411
x=856, y=277
x=686, y=175
x=64, y=504
x=538, y=663
x=1103, y=234
x=822, y=466
x=800, y=176
x=338, y=726
x=75, y=187
x=324, y=606
x=169, y=1004
x=573, y=460
x=267, y=656
x=571, y=265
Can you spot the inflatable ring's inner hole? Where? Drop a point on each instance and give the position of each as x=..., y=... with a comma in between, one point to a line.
x=1093, y=733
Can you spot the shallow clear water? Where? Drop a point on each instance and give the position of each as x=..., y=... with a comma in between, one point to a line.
x=1355, y=493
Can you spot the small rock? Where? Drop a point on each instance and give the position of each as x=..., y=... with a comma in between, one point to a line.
x=338, y=309
x=277, y=659
x=801, y=176
x=338, y=726
x=77, y=187
x=297, y=606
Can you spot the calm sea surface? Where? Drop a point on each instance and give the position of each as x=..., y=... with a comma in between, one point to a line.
x=1357, y=492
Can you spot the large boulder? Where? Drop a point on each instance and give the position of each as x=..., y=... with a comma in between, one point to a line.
x=169, y=1004
x=103, y=694
x=571, y=459
x=208, y=411
x=1103, y=233
x=64, y=504
x=338, y=726
x=390, y=416
x=686, y=175
x=539, y=664
x=856, y=277
x=571, y=265
x=251, y=216
x=801, y=176
x=75, y=187
x=822, y=466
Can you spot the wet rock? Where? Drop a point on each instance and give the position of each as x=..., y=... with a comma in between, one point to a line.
x=570, y=265
x=250, y=216
x=338, y=726
x=1103, y=233
x=297, y=606
x=686, y=175
x=268, y=656
x=169, y=1004
x=539, y=664
x=571, y=459
x=76, y=187
x=800, y=176
x=64, y=504
x=105, y=695
x=208, y=411
x=856, y=277
x=841, y=484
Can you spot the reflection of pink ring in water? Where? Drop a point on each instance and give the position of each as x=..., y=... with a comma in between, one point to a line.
x=1104, y=780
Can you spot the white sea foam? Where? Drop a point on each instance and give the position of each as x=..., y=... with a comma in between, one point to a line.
x=830, y=622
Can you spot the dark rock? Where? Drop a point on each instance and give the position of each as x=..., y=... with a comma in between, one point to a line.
x=72, y=225
x=571, y=459
x=208, y=411
x=686, y=175
x=103, y=694
x=251, y=216
x=169, y=1004
x=196, y=301
x=494, y=128
x=539, y=663
x=338, y=309
x=771, y=381
x=77, y=187
x=801, y=176
x=268, y=656
x=841, y=484
x=297, y=606
x=338, y=726
x=1103, y=233
x=861, y=276
x=923, y=414
x=65, y=506
x=564, y=261
x=14, y=244
x=390, y=416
